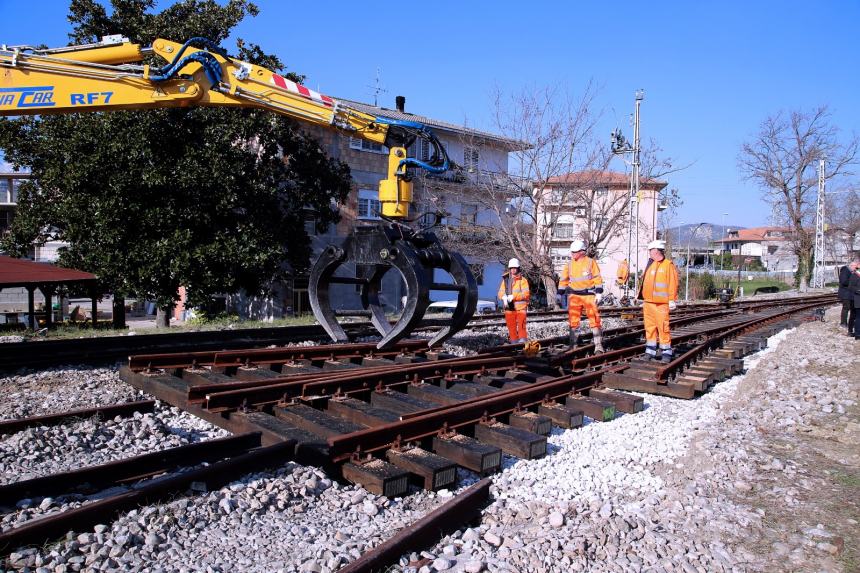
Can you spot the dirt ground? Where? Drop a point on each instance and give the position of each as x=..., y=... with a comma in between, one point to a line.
x=805, y=478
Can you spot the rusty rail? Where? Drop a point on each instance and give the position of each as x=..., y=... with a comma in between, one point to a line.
x=449, y=516
x=120, y=472
x=214, y=475
x=103, y=412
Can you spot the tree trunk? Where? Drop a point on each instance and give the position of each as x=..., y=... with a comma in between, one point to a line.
x=118, y=311
x=162, y=317
x=551, y=289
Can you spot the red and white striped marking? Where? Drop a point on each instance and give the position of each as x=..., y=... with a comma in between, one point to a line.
x=295, y=88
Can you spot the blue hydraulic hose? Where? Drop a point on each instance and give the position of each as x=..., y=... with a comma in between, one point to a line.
x=411, y=161
x=211, y=66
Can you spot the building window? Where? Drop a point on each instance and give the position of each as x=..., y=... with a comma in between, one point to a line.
x=368, y=204
x=563, y=231
x=470, y=157
x=771, y=249
x=468, y=214
x=580, y=211
x=5, y=220
x=601, y=192
x=14, y=184
x=366, y=145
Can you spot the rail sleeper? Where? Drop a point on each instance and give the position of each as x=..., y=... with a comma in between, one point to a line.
x=532, y=422
x=469, y=453
x=627, y=403
x=315, y=421
x=398, y=402
x=360, y=412
x=597, y=410
x=377, y=476
x=516, y=442
x=433, y=393
x=562, y=415
x=434, y=471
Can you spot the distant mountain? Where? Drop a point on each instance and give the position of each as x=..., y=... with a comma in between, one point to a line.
x=703, y=236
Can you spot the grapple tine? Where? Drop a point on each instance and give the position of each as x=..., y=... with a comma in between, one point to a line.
x=319, y=283
x=370, y=295
x=467, y=298
x=417, y=281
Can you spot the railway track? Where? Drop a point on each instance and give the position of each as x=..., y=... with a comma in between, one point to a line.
x=109, y=349
x=412, y=415
x=385, y=419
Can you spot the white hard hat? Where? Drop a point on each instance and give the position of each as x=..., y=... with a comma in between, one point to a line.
x=577, y=245
x=657, y=244
x=514, y=263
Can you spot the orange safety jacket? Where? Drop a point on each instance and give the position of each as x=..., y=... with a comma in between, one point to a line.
x=581, y=275
x=519, y=287
x=660, y=282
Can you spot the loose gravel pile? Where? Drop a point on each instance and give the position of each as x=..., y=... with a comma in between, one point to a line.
x=668, y=489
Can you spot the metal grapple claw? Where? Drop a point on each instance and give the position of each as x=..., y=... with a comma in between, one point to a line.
x=368, y=254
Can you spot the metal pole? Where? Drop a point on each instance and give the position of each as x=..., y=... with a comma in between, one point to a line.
x=639, y=96
x=818, y=269
x=687, y=280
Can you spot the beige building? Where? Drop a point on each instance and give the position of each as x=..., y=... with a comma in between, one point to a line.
x=593, y=206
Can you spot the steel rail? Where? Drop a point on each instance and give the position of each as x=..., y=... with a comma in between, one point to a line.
x=242, y=357
x=462, y=414
x=449, y=516
x=214, y=475
x=720, y=338
x=119, y=472
x=103, y=412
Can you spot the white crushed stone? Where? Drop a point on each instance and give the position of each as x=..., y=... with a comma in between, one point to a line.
x=599, y=502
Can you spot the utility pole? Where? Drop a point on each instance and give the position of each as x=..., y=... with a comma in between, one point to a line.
x=620, y=146
x=818, y=269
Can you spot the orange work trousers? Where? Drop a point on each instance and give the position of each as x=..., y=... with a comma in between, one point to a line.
x=656, y=315
x=516, y=320
x=575, y=304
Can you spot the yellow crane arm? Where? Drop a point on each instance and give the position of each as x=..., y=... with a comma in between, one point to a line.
x=108, y=76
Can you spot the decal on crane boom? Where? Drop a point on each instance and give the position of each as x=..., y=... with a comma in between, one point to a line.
x=36, y=96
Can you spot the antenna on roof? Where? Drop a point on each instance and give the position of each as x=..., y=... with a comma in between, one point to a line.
x=377, y=88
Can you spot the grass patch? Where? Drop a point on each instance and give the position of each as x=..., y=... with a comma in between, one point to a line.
x=847, y=479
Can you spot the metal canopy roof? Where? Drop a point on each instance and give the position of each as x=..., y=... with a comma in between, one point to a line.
x=21, y=273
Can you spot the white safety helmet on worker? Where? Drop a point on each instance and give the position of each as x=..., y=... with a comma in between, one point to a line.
x=577, y=245
x=514, y=264
x=657, y=244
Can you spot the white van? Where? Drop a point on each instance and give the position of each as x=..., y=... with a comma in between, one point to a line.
x=448, y=306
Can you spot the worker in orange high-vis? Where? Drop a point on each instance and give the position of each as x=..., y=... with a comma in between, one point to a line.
x=581, y=281
x=514, y=294
x=659, y=291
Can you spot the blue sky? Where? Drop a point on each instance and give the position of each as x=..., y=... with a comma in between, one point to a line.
x=711, y=71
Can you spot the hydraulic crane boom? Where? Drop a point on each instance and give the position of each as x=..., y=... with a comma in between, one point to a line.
x=109, y=76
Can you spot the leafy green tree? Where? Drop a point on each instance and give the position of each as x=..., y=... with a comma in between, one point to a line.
x=210, y=199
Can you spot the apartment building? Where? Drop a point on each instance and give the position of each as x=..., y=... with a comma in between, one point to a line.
x=593, y=206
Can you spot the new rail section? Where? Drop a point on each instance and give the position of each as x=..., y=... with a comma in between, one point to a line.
x=388, y=419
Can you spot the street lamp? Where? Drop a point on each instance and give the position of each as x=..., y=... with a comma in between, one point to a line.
x=722, y=234
x=687, y=279
x=679, y=236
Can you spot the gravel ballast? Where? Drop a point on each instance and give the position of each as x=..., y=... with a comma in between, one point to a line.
x=682, y=486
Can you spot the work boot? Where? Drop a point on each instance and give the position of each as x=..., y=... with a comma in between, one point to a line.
x=650, y=352
x=597, y=339
x=574, y=337
x=668, y=355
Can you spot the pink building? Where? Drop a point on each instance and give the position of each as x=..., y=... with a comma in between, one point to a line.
x=594, y=206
